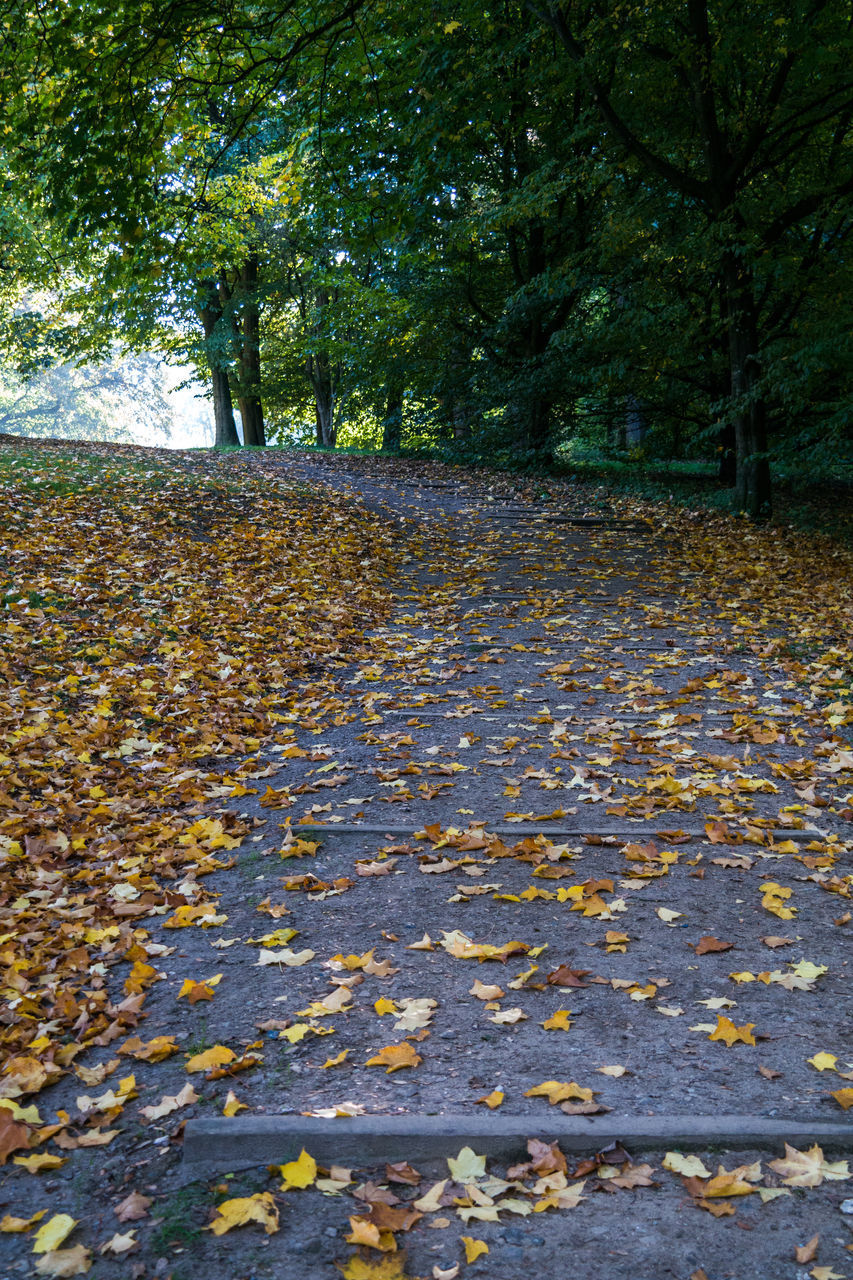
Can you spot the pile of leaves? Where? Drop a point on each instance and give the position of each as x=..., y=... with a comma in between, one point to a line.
x=157, y=619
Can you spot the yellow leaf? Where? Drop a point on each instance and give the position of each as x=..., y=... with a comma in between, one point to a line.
x=38, y=1163
x=395, y=1056
x=27, y=1115
x=614, y=1071
x=9, y=1223
x=557, y=1091
x=336, y=1061
x=687, y=1166
x=466, y=1167
x=389, y=1267
x=493, y=1099
x=233, y=1104
x=824, y=1061
x=299, y=1173
x=844, y=1098
x=729, y=1034
x=384, y=1005
x=559, y=1021
x=260, y=1207
x=473, y=1248
x=367, y=1233
x=219, y=1056
x=51, y=1234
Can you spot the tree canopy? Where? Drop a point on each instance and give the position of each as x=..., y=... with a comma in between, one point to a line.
x=491, y=230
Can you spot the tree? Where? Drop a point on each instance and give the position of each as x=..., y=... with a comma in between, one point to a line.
x=745, y=113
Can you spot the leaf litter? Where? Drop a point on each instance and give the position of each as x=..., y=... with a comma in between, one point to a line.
x=153, y=751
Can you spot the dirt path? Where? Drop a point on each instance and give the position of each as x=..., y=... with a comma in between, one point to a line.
x=530, y=842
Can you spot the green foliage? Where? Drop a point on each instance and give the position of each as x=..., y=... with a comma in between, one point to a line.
x=488, y=232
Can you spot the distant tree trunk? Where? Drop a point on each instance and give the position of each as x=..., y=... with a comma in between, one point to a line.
x=727, y=472
x=249, y=360
x=752, y=483
x=210, y=312
x=321, y=373
x=635, y=422
x=392, y=423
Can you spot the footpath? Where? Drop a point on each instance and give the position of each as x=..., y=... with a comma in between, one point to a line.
x=534, y=936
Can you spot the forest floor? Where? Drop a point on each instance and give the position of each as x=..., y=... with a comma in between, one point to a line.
x=349, y=787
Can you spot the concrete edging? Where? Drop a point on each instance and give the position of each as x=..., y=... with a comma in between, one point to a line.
x=218, y=1144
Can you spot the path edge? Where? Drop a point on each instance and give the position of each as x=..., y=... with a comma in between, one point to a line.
x=215, y=1145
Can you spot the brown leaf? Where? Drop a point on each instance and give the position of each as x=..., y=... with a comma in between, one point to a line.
x=708, y=943
x=402, y=1172
x=566, y=977
x=13, y=1136
x=807, y=1252
x=132, y=1207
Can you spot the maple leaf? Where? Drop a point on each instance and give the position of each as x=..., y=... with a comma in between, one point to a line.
x=170, y=1103
x=559, y=1021
x=13, y=1136
x=120, y=1244
x=493, y=1099
x=558, y=1091
x=729, y=1034
x=132, y=1207
x=808, y=1168
x=706, y=944
x=60, y=1263
x=687, y=1166
x=473, y=1248
x=219, y=1055
x=395, y=1056
x=300, y=1173
x=260, y=1208
x=52, y=1233
x=485, y=991
x=9, y=1223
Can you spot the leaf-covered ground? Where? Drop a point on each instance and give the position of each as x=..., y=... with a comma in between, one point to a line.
x=569, y=830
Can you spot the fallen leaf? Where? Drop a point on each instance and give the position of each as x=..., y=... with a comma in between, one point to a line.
x=808, y=1168
x=807, y=1252
x=51, y=1234
x=496, y=1097
x=60, y=1263
x=260, y=1208
x=729, y=1034
x=218, y=1056
x=299, y=1173
x=687, y=1166
x=395, y=1056
x=466, y=1167
x=475, y=1248
x=133, y=1207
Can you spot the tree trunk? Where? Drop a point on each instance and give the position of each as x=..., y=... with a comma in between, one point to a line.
x=752, y=479
x=635, y=422
x=392, y=423
x=223, y=411
x=727, y=472
x=249, y=361
x=210, y=313
x=324, y=400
